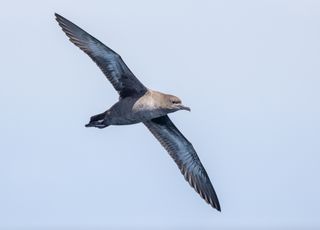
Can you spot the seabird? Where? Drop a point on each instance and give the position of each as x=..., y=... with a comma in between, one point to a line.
x=138, y=104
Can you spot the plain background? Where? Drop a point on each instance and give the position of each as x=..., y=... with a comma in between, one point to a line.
x=248, y=69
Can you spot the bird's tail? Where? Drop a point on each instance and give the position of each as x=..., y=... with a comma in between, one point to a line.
x=97, y=121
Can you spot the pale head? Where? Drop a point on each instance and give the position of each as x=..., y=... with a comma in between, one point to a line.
x=173, y=103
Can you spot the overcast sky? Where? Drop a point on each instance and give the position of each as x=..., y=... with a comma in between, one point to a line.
x=250, y=71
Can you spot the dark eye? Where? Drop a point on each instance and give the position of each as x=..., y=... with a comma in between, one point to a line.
x=175, y=102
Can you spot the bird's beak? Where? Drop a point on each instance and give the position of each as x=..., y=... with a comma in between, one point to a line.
x=182, y=107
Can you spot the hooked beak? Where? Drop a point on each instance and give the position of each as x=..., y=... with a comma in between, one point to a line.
x=182, y=107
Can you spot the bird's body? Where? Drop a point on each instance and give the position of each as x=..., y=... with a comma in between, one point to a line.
x=134, y=109
x=138, y=104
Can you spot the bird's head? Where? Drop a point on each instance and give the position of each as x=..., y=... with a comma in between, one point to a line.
x=174, y=103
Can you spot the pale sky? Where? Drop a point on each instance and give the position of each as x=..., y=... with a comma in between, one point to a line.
x=250, y=72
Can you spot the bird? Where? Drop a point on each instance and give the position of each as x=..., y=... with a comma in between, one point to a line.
x=139, y=104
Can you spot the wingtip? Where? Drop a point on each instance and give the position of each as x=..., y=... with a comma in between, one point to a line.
x=216, y=205
x=59, y=18
x=214, y=201
x=218, y=208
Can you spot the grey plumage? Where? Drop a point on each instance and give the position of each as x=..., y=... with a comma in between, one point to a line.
x=137, y=104
x=183, y=153
x=109, y=61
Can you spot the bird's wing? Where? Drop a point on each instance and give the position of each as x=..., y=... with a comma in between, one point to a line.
x=109, y=61
x=183, y=153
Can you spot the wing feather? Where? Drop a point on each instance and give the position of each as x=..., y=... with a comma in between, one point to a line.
x=183, y=153
x=109, y=61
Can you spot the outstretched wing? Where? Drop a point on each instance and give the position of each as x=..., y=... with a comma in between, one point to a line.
x=183, y=153
x=109, y=61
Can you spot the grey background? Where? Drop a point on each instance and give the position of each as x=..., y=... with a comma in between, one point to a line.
x=248, y=69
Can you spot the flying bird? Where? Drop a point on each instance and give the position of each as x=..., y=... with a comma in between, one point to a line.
x=138, y=104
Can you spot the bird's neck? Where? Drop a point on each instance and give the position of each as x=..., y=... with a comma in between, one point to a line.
x=151, y=100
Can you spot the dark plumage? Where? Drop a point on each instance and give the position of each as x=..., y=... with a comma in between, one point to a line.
x=109, y=61
x=183, y=153
x=137, y=104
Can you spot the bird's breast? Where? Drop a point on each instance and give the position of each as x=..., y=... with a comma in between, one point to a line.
x=147, y=107
x=135, y=110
